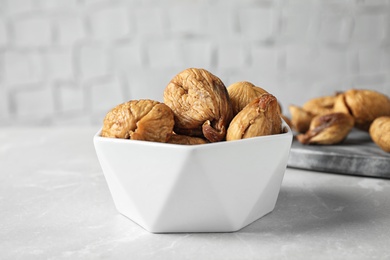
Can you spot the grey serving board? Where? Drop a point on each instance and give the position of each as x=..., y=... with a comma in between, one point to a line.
x=356, y=155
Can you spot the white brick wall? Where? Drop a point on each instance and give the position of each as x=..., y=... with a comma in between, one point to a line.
x=149, y=22
x=69, y=29
x=3, y=34
x=69, y=98
x=22, y=67
x=68, y=62
x=109, y=23
x=92, y=60
x=59, y=64
x=32, y=31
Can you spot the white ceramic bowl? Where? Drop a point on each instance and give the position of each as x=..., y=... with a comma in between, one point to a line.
x=217, y=187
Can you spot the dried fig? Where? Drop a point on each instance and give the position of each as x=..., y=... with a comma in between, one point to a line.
x=146, y=120
x=185, y=139
x=380, y=132
x=259, y=117
x=200, y=103
x=364, y=106
x=300, y=118
x=320, y=105
x=329, y=128
x=340, y=105
x=242, y=93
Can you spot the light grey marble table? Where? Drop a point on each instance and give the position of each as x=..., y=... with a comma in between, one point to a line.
x=55, y=204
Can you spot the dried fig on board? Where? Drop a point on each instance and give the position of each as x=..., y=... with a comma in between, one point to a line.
x=300, y=118
x=320, y=105
x=380, y=132
x=200, y=103
x=146, y=120
x=259, y=117
x=242, y=93
x=329, y=128
x=363, y=105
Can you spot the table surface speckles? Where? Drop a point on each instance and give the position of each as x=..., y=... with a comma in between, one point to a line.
x=55, y=204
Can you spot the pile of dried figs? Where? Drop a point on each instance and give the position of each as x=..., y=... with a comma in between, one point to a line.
x=197, y=109
x=329, y=119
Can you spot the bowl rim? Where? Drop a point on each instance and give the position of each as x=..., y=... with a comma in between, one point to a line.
x=286, y=134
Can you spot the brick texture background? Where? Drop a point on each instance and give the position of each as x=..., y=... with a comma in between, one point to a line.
x=67, y=62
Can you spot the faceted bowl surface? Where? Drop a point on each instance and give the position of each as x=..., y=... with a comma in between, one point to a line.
x=217, y=187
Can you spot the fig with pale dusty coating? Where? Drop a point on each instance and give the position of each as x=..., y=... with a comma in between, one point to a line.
x=380, y=132
x=260, y=117
x=186, y=140
x=242, y=93
x=300, y=118
x=364, y=105
x=331, y=128
x=146, y=120
x=200, y=103
x=320, y=105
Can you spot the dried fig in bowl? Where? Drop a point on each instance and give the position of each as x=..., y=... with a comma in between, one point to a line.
x=260, y=117
x=186, y=140
x=200, y=103
x=242, y=93
x=146, y=120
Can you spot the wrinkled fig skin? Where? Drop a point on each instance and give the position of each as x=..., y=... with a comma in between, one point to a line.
x=340, y=105
x=260, y=117
x=186, y=140
x=380, y=132
x=327, y=129
x=320, y=105
x=300, y=119
x=200, y=103
x=146, y=120
x=242, y=93
x=364, y=106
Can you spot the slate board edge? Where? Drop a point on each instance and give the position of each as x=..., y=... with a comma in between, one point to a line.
x=359, y=165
